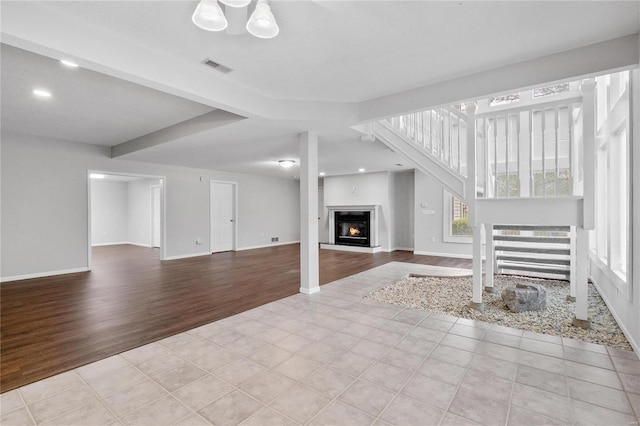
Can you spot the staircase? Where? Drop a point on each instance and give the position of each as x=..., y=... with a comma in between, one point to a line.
x=501, y=161
x=533, y=250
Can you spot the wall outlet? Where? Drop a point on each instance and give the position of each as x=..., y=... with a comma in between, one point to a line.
x=275, y=239
x=433, y=239
x=199, y=241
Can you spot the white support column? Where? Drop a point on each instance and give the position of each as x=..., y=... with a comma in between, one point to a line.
x=476, y=300
x=470, y=201
x=582, y=286
x=490, y=258
x=573, y=267
x=588, y=89
x=309, y=252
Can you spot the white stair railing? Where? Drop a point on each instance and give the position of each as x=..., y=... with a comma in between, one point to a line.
x=440, y=133
x=525, y=149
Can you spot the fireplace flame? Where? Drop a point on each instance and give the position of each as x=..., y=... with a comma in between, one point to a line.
x=354, y=231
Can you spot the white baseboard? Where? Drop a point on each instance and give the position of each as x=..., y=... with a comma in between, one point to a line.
x=109, y=244
x=139, y=245
x=43, y=274
x=185, y=256
x=284, y=243
x=635, y=345
x=457, y=256
x=121, y=243
x=355, y=249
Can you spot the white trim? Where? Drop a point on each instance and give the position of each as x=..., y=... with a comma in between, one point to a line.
x=374, y=218
x=122, y=243
x=283, y=243
x=110, y=244
x=310, y=290
x=151, y=234
x=635, y=345
x=234, y=245
x=447, y=218
x=163, y=210
x=402, y=249
x=355, y=249
x=43, y=274
x=185, y=256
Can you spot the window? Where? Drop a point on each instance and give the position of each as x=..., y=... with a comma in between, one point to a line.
x=504, y=99
x=610, y=240
x=456, y=228
x=550, y=90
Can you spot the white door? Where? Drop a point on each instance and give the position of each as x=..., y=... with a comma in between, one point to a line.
x=155, y=202
x=222, y=216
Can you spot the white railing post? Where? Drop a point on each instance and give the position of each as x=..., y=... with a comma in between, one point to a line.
x=573, y=267
x=489, y=258
x=470, y=188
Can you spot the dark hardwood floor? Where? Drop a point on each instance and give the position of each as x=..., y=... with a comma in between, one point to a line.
x=130, y=298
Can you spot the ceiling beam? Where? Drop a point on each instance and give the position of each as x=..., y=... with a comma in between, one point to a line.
x=199, y=124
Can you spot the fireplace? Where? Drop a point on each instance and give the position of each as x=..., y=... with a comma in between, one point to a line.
x=353, y=228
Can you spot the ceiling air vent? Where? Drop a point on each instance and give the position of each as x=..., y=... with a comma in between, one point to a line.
x=216, y=66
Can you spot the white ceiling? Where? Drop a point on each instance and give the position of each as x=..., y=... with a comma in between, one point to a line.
x=85, y=106
x=329, y=54
x=357, y=50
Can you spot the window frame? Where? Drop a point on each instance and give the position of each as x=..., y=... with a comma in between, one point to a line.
x=447, y=218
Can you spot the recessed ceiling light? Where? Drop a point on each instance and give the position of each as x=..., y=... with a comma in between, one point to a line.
x=42, y=93
x=96, y=176
x=361, y=170
x=322, y=173
x=68, y=63
x=286, y=163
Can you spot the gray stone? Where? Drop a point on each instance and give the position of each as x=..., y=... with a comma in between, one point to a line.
x=525, y=297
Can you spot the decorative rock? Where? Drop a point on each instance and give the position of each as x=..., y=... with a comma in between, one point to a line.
x=525, y=297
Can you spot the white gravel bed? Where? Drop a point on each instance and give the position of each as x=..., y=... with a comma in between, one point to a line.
x=451, y=295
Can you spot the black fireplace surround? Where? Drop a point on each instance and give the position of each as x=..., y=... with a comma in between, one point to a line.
x=353, y=228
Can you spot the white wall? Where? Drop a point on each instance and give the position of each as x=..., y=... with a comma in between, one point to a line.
x=44, y=178
x=428, y=228
x=362, y=189
x=108, y=212
x=139, y=211
x=393, y=192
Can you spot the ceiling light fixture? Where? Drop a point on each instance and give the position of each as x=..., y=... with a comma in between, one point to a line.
x=361, y=170
x=69, y=64
x=286, y=163
x=96, y=176
x=42, y=93
x=322, y=173
x=261, y=23
x=235, y=3
x=210, y=17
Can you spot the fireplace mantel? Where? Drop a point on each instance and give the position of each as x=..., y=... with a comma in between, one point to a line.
x=374, y=211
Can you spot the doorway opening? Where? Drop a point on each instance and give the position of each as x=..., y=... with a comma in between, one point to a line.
x=125, y=209
x=223, y=229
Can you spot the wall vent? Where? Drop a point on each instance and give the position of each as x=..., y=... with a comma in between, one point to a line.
x=216, y=66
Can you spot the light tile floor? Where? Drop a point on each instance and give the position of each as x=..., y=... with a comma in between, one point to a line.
x=334, y=358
